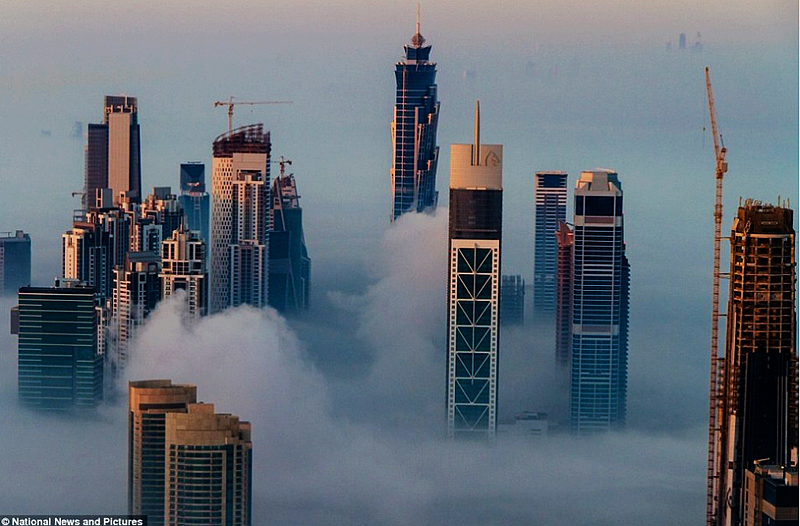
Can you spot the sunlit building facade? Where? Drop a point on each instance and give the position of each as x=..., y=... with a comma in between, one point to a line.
x=148, y=403
x=209, y=468
x=239, y=229
x=183, y=267
x=475, y=228
x=416, y=115
x=113, y=156
x=758, y=399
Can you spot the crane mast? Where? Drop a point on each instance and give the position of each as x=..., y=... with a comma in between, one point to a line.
x=716, y=425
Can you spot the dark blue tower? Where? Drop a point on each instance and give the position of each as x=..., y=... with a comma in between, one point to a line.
x=416, y=115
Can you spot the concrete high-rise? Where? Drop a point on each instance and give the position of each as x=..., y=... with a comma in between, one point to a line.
x=59, y=366
x=194, y=199
x=289, y=264
x=551, y=208
x=475, y=228
x=137, y=290
x=565, y=243
x=758, y=391
x=113, y=157
x=15, y=261
x=208, y=468
x=183, y=267
x=148, y=403
x=239, y=229
x=600, y=288
x=416, y=115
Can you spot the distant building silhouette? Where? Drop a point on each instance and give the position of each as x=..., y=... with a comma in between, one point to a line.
x=289, y=264
x=475, y=231
x=551, y=207
x=682, y=41
x=512, y=300
x=113, y=157
x=600, y=288
x=59, y=367
x=194, y=199
x=416, y=115
x=758, y=392
x=148, y=403
x=240, y=218
x=15, y=261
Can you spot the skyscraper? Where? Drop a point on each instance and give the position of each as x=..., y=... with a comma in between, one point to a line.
x=60, y=367
x=416, y=115
x=183, y=267
x=565, y=243
x=113, y=157
x=239, y=229
x=599, y=361
x=758, y=401
x=194, y=199
x=512, y=300
x=551, y=208
x=137, y=290
x=289, y=264
x=15, y=261
x=148, y=403
x=475, y=228
x=159, y=216
x=208, y=468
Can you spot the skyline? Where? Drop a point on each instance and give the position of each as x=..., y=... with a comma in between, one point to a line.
x=627, y=105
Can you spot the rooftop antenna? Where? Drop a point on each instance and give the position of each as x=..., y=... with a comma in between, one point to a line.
x=476, y=149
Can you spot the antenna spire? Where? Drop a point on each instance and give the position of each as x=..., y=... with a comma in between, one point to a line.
x=417, y=18
x=476, y=149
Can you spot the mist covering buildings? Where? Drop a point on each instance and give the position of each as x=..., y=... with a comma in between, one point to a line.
x=631, y=109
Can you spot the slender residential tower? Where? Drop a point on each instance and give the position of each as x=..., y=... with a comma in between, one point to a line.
x=565, y=242
x=183, y=267
x=599, y=361
x=208, y=468
x=759, y=381
x=551, y=208
x=416, y=114
x=113, y=157
x=476, y=216
x=239, y=218
x=148, y=403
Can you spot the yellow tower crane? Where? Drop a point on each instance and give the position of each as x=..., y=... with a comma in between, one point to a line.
x=231, y=103
x=716, y=425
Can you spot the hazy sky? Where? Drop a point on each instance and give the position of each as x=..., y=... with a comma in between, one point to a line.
x=563, y=85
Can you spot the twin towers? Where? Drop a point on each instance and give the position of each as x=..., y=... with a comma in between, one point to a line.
x=598, y=385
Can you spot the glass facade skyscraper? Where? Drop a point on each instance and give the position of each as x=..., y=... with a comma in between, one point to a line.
x=551, y=208
x=416, y=116
x=473, y=300
x=599, y=360
x=15, y=261
x=60, y=367
x=194, y=199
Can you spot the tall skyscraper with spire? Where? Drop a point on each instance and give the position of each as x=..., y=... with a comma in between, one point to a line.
x=416, y=116
x=758, y=391
x=113, y=156
x=240, y=222
x=600, y=283
x=475, y=228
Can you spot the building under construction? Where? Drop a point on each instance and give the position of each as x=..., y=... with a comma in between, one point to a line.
x=757, y=393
